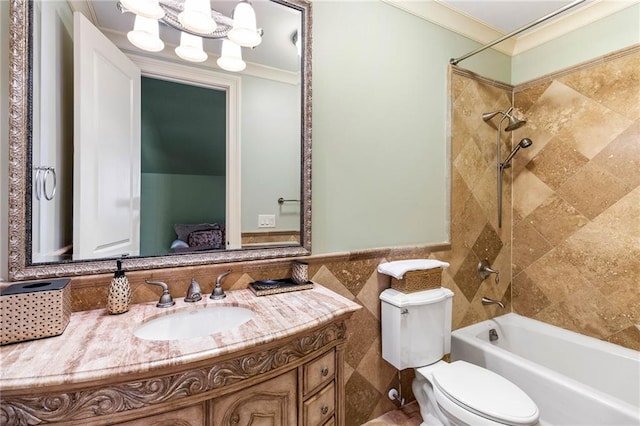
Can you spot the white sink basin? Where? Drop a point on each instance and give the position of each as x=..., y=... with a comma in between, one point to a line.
x=194, y=323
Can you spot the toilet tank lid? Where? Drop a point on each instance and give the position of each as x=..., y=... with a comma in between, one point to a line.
x=426, y=297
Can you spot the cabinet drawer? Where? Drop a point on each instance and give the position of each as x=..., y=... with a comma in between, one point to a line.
x=319, y=371
x=331, y=421
x=320, y=407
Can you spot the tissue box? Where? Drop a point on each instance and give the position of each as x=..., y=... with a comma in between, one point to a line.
x=412, y=281
x=35, y=309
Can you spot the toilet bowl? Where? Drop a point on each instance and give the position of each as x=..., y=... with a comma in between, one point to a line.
x=416, y=333
x=465, y=394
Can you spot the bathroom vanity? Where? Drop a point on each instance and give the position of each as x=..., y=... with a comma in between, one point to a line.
x=282, y=367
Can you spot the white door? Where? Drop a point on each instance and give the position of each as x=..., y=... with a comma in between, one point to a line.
x=106, y=214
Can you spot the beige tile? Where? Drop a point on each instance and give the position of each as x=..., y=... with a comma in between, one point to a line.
x=594, y=128
x=460, y=303
x=353, y=273
x=376, y=370
x=460, y=193
x=528, y=246
x=557, y=108
x=556, y=314
x=360, y=400
x=607, y=250
x=629, y=338
x=589, y=80
x=592, y=190
x=621, y=157
x=467, y=225
x=461, y=134
x=369, y=296
x=525, y=99
x=593, y=315
x=362, y=330
x=488, y=244
x=621, y=92
x=555, y=220
x=467, y=279
x=556, y=276
x=529, y=192
x=470, y=164
x=327, y=279
x=458, y=84
x=528, y=299
x=557, y=162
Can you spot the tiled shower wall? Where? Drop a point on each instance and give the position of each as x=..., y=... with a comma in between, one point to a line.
x=576, y=234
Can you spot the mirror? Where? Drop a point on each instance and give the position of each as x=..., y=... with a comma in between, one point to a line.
x=249, y=161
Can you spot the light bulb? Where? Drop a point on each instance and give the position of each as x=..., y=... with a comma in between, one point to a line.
x=190, y=48
x=147, y=8
x=196, y=17
x=244, y=32
x=231, y=57
x=145, y=34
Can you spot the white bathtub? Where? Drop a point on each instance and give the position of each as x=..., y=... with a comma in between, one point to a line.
x=574, y=379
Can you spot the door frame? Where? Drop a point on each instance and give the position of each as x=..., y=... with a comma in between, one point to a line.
x=169, y=71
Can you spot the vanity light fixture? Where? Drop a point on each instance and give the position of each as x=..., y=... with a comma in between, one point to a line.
x=196, y=20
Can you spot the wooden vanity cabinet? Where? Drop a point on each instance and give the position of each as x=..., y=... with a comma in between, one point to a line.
x=294, y=382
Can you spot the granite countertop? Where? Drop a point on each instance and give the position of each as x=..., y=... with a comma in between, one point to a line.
x=96, y=345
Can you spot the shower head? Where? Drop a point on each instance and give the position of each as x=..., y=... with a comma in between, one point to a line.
x=524, y=143
x=514, y=123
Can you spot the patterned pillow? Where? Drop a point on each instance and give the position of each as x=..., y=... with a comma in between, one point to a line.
x=212, y=238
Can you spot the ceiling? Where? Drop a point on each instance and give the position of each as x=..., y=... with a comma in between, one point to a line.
x=507, y=16
x=488, y=20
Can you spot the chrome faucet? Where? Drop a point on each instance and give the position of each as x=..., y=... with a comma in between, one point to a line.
x=484, y=270
x=218, y=292
x=194, y=293
x=166, y=300
x=487, y=301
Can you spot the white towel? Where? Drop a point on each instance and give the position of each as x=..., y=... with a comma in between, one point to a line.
x=398, y=268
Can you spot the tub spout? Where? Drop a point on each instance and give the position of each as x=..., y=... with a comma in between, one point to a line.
x=487, y=301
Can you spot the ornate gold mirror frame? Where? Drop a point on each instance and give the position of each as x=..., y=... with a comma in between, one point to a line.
x=20, y=268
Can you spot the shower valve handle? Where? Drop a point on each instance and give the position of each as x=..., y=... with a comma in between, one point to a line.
x=484, y=270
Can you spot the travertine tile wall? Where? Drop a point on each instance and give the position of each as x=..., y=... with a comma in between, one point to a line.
x=576, y=208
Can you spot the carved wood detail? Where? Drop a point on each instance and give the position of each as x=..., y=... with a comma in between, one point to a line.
x=34, y=410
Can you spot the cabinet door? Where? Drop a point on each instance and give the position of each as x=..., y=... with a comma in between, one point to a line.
x=272, y=403
x=189, y=416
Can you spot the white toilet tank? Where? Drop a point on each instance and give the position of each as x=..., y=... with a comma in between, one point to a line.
x=416, y=327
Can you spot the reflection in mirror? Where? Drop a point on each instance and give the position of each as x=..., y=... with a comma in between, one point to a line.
x=154, y=156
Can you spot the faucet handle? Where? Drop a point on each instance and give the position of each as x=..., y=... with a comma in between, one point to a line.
x=194, y=293
x=166, y=300
x=218, y=292
x=484, y=270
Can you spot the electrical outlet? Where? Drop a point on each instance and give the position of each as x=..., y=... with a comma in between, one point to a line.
x=266, y=221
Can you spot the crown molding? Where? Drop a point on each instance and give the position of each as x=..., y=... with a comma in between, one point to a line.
x=571, y=21
x=461, y=23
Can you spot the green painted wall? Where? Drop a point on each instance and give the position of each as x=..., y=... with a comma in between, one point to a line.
x=270, y=152
x=614, y=32
x=168, y=199
x=183, y=160
x=380, y=161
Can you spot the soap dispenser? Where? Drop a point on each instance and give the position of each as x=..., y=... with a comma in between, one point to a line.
x=119, y=292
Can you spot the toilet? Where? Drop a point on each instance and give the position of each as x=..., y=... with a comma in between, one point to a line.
x=416, y=333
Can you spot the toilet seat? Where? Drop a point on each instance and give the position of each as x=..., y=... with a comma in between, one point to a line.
x=483, y=393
